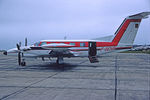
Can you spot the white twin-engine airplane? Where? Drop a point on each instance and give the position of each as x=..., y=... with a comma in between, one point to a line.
x=122, y=40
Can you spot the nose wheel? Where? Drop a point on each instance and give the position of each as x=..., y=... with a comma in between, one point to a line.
x=23, y=63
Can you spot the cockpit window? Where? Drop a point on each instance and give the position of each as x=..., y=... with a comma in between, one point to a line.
x=37, y=44
x=43, y=43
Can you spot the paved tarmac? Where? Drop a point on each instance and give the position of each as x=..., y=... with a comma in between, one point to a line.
x=120, y=76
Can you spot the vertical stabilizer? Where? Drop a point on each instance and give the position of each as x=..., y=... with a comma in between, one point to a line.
x=127, y=31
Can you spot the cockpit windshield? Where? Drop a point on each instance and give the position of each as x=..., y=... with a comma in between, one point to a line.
x=37, y=44
x=40, y=44
x=43, y=43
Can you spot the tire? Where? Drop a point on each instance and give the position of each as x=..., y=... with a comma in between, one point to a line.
x=23, y=63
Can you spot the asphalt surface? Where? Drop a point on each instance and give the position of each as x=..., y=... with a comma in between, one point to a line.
x=119, y=76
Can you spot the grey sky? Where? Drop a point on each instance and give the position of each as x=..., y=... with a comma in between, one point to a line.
x=76, y=19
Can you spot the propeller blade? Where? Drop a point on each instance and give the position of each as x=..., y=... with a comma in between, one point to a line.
x=18, y=47
x=19, y=58
x=26, y=41
x=22, y=54
x=19, y=54
x=20, y=44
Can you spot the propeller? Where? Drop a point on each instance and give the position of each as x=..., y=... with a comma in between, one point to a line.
x=19, y=54
x=26, y=41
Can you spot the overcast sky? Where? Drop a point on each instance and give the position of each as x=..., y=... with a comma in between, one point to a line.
x=76, y=19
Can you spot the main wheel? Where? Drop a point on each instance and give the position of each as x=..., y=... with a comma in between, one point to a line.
x=23, y=63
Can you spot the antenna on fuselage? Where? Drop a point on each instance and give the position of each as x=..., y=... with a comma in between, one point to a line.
x=65, y=37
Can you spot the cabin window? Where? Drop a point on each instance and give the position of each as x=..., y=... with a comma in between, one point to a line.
x=72, y=44
x=43, y=43
x=82, y=44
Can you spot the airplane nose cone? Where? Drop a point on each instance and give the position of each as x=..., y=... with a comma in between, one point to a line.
x=5, y=52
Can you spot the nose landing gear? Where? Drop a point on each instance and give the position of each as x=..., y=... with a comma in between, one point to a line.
x=23, y=63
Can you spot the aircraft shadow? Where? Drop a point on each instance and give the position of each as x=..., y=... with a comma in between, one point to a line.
x=51, y=67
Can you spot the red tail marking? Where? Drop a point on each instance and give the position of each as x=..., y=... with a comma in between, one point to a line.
x=123, y=29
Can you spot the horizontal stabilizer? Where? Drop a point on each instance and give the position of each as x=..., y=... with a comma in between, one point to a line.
x=142, y=15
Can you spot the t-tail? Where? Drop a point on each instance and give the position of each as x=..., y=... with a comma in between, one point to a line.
x=127, y=31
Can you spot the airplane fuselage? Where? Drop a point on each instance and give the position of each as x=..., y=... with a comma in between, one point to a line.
x=77, y=48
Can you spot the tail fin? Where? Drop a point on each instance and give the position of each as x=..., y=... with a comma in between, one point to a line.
x=127, y=31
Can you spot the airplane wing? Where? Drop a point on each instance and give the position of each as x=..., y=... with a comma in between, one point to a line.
x=57, y=49
x=56, y=45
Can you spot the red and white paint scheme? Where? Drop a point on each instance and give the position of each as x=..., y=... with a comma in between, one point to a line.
x=122, y=40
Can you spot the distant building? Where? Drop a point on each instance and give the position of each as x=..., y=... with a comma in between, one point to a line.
x=140, y=47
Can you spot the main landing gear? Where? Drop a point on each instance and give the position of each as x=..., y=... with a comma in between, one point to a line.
x=60, y=60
